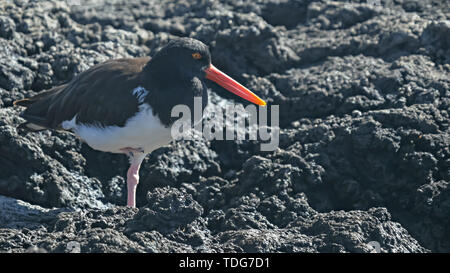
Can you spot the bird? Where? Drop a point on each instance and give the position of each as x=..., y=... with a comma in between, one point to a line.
x=124, y=105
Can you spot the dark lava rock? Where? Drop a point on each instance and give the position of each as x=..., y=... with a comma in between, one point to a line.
x=363, y=162
x=167, y=208
x=7, y=27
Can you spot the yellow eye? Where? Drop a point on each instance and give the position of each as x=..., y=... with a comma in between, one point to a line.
x=197, y=56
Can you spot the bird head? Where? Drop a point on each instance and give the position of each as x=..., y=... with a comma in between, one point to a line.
x=191, y=58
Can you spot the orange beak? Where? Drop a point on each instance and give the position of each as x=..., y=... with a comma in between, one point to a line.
x=222, y=79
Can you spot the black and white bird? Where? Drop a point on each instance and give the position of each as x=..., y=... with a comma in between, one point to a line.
x=124, y=105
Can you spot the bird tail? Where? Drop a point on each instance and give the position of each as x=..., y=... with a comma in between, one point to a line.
x=35, y=113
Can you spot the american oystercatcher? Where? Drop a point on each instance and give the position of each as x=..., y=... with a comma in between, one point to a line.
x=124, y=105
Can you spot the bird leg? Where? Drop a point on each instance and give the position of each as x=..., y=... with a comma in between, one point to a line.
x=136, y=156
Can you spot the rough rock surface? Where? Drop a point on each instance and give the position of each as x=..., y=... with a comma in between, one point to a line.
x=364, y=96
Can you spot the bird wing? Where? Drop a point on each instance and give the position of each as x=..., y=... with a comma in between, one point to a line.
x=101, y=95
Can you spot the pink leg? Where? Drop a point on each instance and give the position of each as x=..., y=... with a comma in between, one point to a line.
x=132, y=182
x=136, y=157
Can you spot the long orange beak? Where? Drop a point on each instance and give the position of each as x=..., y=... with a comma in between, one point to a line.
x=222, y=79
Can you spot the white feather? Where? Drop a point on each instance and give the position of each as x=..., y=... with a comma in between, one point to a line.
x=140, y=92
x=144, y=131
x=69, y=124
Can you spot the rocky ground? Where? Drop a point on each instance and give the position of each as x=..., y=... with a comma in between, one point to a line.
x=364, y=94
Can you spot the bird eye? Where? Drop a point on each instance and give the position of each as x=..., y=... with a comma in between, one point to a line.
x=197, y=56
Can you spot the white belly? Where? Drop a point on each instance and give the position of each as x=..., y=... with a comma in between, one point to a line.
x=143, y=131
